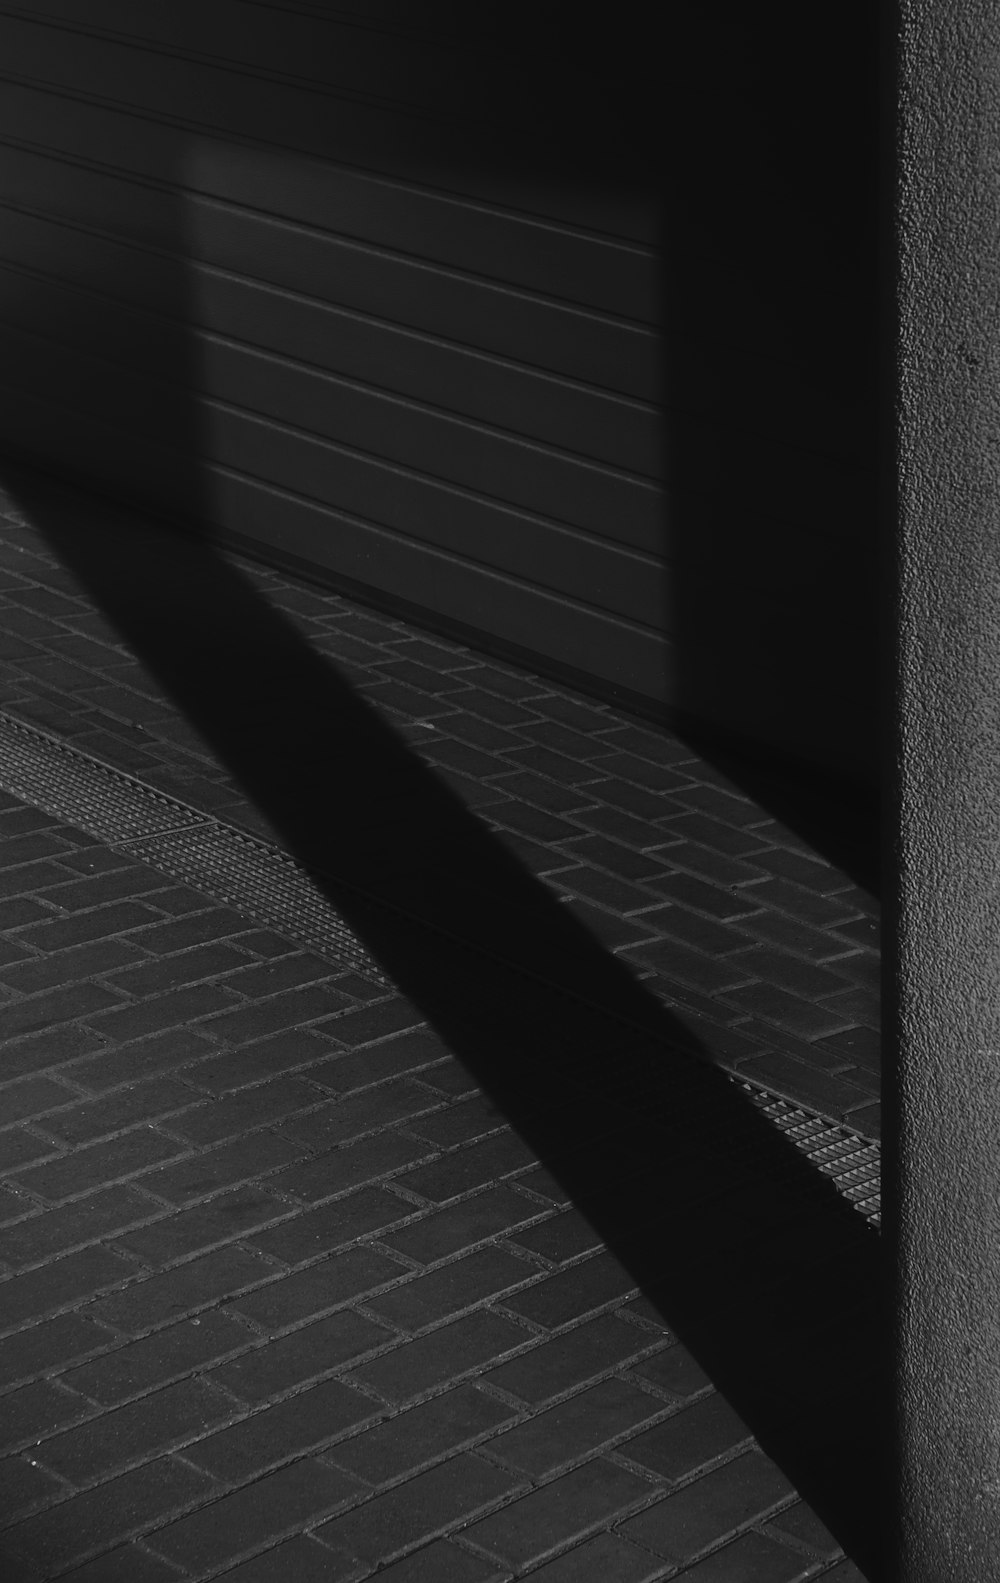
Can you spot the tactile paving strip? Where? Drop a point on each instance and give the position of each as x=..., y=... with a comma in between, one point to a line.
x=264, y=883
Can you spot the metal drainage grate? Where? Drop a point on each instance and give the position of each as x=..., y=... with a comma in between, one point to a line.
x=852, y=1162
x=261, y=881
x=265, y=884
x=168, y=835
x=90, y=795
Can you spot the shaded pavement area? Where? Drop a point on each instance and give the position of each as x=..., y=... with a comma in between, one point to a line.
x=463, y=1259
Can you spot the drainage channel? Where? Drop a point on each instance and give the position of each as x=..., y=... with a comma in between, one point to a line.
x=264, y=883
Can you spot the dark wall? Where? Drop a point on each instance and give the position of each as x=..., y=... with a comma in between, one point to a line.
x=559, y=335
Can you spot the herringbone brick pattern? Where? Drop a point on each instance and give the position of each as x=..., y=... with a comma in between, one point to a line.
x=285, y=1294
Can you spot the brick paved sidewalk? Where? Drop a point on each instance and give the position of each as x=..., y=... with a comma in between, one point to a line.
x=765, y=950
x=307, y=1277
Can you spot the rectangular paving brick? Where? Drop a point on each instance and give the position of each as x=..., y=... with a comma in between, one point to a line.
x=303, y=1355
x=536, y=1524
x=466, y=1169
x=279, y=1011
x=444, y=1354
x=799, y=1016
x=275, y=1505
x=161, y=1052
x=424, y=1506
x=44, y=1346
x=690, y=929
x=420, y=1435
x=799, y=977
x=301, y=1424
x=96, y=1518
x=356, y=1164
x=318, y=1288
x=809, y=872
x=166, y=1296
x=217, y=1119
x=462, y=1283
x=633, y=798
x=462, y=1225
x=99, y=890
x=224, y=1166
x=37, y=1410
x=67, y=967
x=317, y=1231
x=534, y=823
x=544, y=759
x=141, y=1429
x=373, y=1063
x=98, y=1163
x=184, y=967
x=29, y=848
x=599, y=1559
x=29, y=879
x=287, y=1051
x=52, y=1231
x=576, y=1428
x=215, y=923
x=829, y=1094
x=538, y=792
x=221, y=1219
x=689, y=1440
x=350, y=1118
x=559, y=1299
x=754, y=1559
x=59, y=1284
x=113, y=1112
x=559, y=1238
x=688, y=890
x=605, y=889
x=157, y=1359
x=711, y=975
x=174, y=1009
x=41, y=1012
x=715, y=1507
x=586, y=1353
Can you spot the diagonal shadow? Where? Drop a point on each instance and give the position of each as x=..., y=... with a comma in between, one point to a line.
x=753, y=1260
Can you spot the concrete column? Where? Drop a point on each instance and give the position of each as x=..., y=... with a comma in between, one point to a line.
x=945, y=780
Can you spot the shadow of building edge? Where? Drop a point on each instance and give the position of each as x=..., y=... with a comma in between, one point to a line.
x=769, y=1278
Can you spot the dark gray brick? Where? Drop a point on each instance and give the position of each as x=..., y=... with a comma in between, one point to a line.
x=789, y=1011
x=571, y=1294
x=424, y=1506
x=171, y=1010
x=187, y=1231
x=95, y=1519
x=290, y=1428
x=135, y=1432
x=576, y=1428
x=100, y=1163
x=157, y=1359
x=59, y=1284
x=535, y=1525
x=319, y=1231
x=463, y=1283
x=318, y=1288
x=715, y=1507
x=54, y=1231
x=462, y=1225
x=353, y=1166
x=304, y=1354
x=184, y=1289
x=225, y=1166
x=570, y=1360
x=414, y=1438
x=59, y=1005
x=690, y=1439
x=289, y=1010
x=444, y=1354
x=270, y=1508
